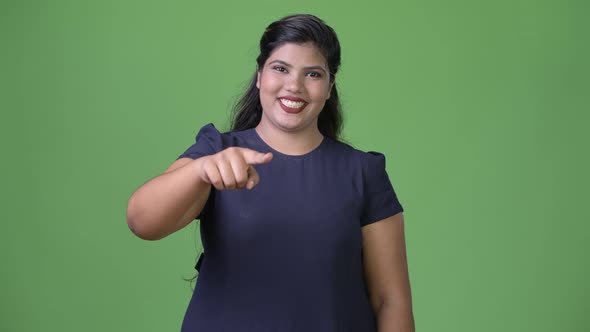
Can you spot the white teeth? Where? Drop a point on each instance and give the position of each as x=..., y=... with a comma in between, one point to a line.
x=292, y=104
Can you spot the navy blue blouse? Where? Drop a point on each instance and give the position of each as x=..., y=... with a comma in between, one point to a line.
x=287, y=255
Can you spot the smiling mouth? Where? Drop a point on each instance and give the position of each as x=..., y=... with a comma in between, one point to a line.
x=292, y=107
x=292, y=104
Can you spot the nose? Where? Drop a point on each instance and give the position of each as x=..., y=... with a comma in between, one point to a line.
x=294, y=83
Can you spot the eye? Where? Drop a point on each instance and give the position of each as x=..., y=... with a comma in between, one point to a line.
x=280, y=68
x=315, y=74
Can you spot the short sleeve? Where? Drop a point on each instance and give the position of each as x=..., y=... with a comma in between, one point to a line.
x=380, y=200
x=208, y=141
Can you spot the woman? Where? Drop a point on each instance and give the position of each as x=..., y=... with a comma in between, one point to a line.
x=300, y=231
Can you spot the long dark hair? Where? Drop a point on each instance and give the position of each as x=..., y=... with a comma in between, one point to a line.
x=299, y=29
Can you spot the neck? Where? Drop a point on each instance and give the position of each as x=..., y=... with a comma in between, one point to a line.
x=290, y=142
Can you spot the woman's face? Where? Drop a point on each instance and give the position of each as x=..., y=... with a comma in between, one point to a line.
x=294, y=85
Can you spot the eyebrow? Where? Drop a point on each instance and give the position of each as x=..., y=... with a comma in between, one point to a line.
x=306, y=68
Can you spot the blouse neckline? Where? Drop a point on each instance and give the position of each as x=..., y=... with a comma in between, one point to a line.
x=324, y=141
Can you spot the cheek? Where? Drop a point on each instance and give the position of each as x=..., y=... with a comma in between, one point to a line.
x=319, y=92
x=268, y=91
x=269, y=83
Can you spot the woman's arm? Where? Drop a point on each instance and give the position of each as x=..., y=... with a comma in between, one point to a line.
x=172, y=200
x=168, y=202
x=386, y=272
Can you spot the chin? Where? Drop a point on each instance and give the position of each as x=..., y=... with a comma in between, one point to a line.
x=289, y=122
x=289, y=127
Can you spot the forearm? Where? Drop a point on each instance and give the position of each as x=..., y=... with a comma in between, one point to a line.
x=160, y=206
x=395, y=318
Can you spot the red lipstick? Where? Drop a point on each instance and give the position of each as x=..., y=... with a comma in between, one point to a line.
x=292, y=98
x=292, y=110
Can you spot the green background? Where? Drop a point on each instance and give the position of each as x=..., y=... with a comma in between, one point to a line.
x=480, y=107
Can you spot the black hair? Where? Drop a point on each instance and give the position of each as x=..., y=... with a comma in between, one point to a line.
x=299, y=29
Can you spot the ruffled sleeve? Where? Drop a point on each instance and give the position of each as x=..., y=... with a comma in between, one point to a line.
x=380, y=199
x=208, y=141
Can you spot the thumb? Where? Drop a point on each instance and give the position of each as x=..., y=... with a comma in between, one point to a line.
x=253, y=157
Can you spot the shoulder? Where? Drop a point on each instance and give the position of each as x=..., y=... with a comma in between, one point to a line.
x=221, y=139
x=209, y=140
x=367, y=166
x=351, y=153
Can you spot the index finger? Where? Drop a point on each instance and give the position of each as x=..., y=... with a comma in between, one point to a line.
x=253, y=157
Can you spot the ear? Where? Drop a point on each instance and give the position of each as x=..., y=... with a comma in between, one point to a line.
x=258, y=79
x=330, y=90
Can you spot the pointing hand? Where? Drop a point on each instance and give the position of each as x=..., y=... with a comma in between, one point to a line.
x=232, y=168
